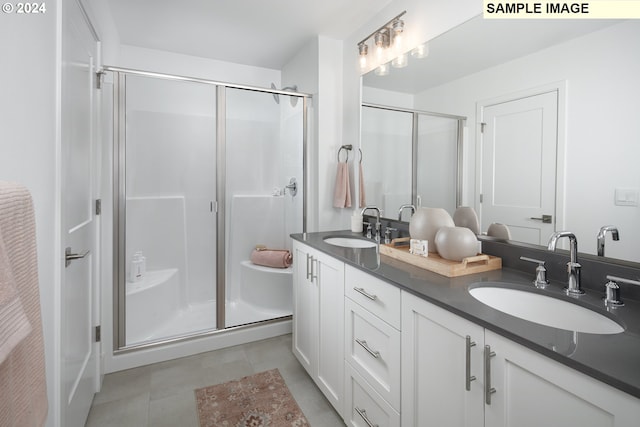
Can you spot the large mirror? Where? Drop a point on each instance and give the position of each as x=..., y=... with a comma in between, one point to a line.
x=551, y=139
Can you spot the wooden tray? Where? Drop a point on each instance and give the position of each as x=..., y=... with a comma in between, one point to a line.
x=439, y=265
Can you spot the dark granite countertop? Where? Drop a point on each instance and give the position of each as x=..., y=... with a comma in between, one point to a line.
x=613, y=359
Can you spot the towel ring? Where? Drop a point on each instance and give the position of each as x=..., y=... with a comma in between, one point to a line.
x=360, y=150
x=345, y=147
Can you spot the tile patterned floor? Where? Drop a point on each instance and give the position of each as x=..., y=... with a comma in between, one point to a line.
x=162, y=394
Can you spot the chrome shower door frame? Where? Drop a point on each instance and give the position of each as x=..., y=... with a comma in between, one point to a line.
x=119, y=202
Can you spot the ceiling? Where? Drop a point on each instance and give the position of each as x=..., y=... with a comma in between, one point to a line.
x=479, y=44
x=263, y=33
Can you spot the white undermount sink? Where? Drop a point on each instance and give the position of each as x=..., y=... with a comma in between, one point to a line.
x=545, y=310
x=350, y=242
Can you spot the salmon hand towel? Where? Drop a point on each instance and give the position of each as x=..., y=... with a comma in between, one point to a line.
x=342, y=192
x=275, y=258
x=23, y=388
x=14, y=325
x=363, y=198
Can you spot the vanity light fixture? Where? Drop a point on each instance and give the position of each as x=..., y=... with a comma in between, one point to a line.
x=386, y=39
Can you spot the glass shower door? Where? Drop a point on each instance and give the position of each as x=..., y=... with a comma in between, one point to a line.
x=387, y=153
x=169, y=234
x=437, y=157
x=264, y=162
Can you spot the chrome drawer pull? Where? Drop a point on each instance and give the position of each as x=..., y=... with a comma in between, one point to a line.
x=468, y=376
x=364, y=345
x=366, y=294
x=488, y=390
x=363, y=414
x=309, y=258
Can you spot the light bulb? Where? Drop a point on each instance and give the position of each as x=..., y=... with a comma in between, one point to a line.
x=382, y=70
x=363, y=62
x=420, y=51
x=400, y=61
x=398, y=30
x=363, y=50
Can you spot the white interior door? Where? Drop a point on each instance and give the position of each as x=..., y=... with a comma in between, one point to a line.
x=519, y=144
x=78, y=289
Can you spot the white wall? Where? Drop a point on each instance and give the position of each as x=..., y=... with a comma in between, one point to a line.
x=192, y=66
x=302, y=70
x=30, y=150
x=600, y=149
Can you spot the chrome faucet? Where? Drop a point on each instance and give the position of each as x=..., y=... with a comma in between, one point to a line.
x=603, y=233
x=377, y=236
x=403, y=207
x=573, y=268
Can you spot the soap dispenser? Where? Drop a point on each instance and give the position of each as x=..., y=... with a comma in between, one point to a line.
x=137, y=265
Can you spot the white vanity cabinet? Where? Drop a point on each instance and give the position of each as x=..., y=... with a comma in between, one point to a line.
x=318, y=319
x=513, y=386
x=372, y=351
x=442, y=367
x=533, y=390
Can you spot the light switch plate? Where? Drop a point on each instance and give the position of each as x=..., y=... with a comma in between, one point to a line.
x=626, y=197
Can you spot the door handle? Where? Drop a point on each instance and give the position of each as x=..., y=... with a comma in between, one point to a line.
x=547, y=219
x=68, y=256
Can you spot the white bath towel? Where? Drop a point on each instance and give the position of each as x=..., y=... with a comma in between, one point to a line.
x=23, y=390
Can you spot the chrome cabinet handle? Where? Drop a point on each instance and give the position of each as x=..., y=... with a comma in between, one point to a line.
x=310, y=261
x=363, y=414
x=488, y=390
x=366, y=294
x=364, y=345
x=68, y=256
x=314, y=272
x=468, y=376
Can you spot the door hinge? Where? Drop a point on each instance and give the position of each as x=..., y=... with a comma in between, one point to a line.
x=482, y=126
x=97, y=334
x=481, y=198
x=98, y=206
x=99, y=79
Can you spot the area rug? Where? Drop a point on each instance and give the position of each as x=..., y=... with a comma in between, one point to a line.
x=258, y=400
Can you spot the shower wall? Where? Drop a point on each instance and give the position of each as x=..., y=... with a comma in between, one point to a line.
x=386, y=151
x=171, y=134
x=437, y=152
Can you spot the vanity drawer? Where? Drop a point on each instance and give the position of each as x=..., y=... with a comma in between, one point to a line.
x=372, y=347
x=362, y=402
x=377, y=296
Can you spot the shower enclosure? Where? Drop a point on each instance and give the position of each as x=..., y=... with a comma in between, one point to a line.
x=204, y=171
x=411, y=157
